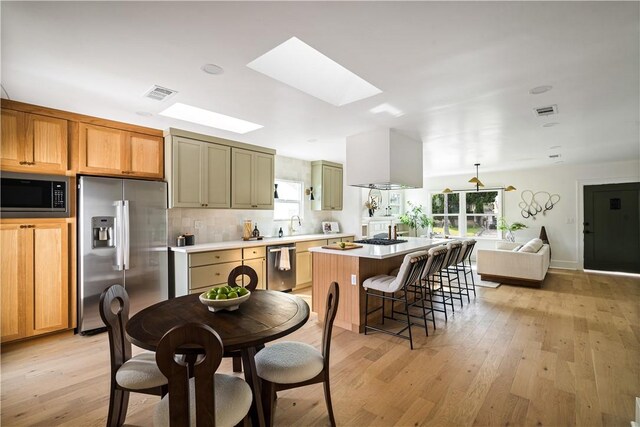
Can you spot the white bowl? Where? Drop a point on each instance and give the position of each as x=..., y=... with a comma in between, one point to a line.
x=223, y=304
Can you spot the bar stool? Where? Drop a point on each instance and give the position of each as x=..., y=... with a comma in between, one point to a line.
x=384, y=287
x=461, y=265
x=432, y=280
x=448, y=269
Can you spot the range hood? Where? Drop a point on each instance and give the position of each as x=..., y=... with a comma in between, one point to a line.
x=384, y=159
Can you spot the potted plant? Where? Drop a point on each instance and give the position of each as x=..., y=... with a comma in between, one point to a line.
x=503, y=225
x=415, y=218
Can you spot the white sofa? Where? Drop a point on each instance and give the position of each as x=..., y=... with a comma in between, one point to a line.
x=517, y=268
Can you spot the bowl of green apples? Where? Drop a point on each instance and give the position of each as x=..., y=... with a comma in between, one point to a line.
x=224, y=298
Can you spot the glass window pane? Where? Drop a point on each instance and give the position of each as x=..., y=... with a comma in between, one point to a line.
x=446, y=225
x=453, y=203
x=437, y=204
x=482, y=202
x=285, y=210
x=288, y=190
x=482, y=226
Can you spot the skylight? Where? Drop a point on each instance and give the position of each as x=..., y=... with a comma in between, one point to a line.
x=204, y=117
x=297, y=64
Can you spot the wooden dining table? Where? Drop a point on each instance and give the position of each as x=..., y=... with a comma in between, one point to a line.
x=266, y=316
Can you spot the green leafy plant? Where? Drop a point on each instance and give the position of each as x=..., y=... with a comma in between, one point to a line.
x=503, y=225
x=415, y=217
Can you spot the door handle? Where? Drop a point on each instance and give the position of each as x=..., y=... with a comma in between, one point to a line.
x=587, y=232
x=278, y=250
x=119, y=235
x=126, y=233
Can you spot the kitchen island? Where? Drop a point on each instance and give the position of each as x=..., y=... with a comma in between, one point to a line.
x=350, y=268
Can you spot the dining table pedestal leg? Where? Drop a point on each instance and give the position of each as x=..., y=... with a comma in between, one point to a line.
x=251, y=377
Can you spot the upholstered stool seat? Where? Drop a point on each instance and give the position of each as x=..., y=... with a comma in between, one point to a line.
x=232, y=399
x=381, y=282
x=289, y=362
x=140, y=372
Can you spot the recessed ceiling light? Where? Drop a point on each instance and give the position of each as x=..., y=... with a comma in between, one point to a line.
x=540, y=89
x=297, y=64
x=212, y=69
x=144, y=113
x=312, y=140
x=204, y=117
x=387, y=108
x=548, y=125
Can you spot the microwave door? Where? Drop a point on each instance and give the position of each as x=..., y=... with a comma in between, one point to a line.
x=100, y=249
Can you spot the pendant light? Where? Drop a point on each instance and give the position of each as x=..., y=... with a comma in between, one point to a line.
x=475, y=180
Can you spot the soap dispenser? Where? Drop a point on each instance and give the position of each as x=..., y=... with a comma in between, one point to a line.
x=256, y=232
x=280, y=233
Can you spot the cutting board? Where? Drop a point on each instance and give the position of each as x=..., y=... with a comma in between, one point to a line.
x=336, y=246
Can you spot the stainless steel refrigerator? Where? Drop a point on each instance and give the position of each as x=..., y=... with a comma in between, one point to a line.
x=122, y=239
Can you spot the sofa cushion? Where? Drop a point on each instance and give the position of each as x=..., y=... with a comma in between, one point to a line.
x=517, y=248
x=532, y=246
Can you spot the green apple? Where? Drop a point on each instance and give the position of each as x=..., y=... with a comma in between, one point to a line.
x=232, y=295
x=221, y=296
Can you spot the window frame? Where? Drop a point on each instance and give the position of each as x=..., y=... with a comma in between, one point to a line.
x=300, y=202
x=462, y=212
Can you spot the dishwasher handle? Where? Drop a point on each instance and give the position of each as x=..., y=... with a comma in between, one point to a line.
x=291, y=248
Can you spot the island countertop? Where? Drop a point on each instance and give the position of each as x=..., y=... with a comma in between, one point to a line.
x=382, y=252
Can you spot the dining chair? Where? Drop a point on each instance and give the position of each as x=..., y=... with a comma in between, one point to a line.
x=206, y=399
x=139, y=373
x=286, y=365
x=384, y=287
x=253, y=284
x=446, y=273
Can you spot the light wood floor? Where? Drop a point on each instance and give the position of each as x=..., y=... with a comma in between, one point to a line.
x=567, y=354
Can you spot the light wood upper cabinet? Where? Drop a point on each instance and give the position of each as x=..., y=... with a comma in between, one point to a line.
x=110, y=151
x=35, y=278
x=200, y=174
x=326, y=180
x=252, y=179
x=33, y=143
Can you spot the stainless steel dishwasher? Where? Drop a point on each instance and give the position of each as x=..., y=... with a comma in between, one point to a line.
x=278, y=277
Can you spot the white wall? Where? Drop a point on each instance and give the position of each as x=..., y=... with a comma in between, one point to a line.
x=564, y=222
x=226, y=224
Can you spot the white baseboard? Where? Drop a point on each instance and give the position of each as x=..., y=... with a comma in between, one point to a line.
x=566, y=265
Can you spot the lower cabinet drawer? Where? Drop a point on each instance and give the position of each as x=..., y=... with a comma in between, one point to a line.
x=214, y=257
x=211, y=275
x=332, y=241
x=253, y=253
x=304, y=246
x=348, y=239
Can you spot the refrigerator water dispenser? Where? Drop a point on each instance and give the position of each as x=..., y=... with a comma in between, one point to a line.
x=102, y=232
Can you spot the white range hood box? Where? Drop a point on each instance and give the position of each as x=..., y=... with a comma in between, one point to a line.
x=384, y=159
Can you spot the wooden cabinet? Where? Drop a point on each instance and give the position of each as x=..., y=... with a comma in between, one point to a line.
x=35, y=278
x=200, y=174
x=326, y=180
x=33, y=142
x=256, y=259
x=110, y=151
x=304, y=268
x=252, y=179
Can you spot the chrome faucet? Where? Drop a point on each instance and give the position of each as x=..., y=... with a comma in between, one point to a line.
x=291, y=226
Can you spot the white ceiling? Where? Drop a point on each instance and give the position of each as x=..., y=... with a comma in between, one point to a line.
x=460, y=72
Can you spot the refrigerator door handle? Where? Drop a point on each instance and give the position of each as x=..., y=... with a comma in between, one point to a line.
x=119, y=235
x=125, y=233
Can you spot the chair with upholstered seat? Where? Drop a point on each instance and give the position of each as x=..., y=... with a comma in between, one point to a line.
x=139, y=373
x=287, y=365
x=432, y=280
x=385, y=286
x=206, y=399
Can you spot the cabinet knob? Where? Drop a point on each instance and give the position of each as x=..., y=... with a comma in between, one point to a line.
x=217, y=274
x=23, y=163
x=23, y=226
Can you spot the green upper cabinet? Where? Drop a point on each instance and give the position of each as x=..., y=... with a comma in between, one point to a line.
x=200, y=174
x=326, y=180
x=209, y=172
x=252, y=179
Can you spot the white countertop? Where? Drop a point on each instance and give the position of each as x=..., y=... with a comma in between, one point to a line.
x=381, y=252
x=267, y=241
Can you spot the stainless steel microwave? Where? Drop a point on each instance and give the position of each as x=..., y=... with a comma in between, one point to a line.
x=34, y=196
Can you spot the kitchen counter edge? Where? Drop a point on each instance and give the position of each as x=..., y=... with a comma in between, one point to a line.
x=269, y=241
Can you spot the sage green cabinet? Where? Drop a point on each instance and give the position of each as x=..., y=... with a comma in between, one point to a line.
x=252, y=179
x=200, y=174
x=326, y=180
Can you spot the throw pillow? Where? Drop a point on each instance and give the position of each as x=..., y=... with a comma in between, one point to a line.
x=532, y=246
x=517, y=248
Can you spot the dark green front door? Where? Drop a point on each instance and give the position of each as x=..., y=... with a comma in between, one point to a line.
x=612, y=227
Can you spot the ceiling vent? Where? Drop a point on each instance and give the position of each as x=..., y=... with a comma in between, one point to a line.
x=160, y=93
x=546, y=111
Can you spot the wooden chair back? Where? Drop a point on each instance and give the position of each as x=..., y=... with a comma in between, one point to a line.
x=177, y=372
x=333, y=298
x=247, y=271
x=114, y=311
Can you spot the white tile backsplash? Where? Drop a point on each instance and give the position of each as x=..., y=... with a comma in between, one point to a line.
x=221, y=225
